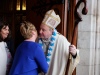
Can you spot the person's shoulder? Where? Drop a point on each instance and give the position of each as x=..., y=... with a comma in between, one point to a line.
x=35, y=45
x=38, y=45
x=1, y=42
x=62, y=37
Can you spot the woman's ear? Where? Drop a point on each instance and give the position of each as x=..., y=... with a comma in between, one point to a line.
x=33, y=32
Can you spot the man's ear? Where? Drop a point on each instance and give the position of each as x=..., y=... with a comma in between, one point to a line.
x=52, y=30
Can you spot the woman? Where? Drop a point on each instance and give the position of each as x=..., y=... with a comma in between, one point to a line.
x=29, y=56
x=4, y=51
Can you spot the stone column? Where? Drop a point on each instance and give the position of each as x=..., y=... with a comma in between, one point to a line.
x=89, y=40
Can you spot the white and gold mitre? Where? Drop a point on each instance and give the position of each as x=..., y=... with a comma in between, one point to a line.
x=51, y=19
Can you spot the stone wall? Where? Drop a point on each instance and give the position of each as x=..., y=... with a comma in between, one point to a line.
x=89, y=40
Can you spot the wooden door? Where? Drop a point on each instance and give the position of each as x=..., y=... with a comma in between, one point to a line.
x=37, y=8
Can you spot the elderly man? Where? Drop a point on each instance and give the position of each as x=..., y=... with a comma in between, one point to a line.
x=56, y=46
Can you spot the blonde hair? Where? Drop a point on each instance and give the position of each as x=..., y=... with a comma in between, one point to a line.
x=26, y=29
